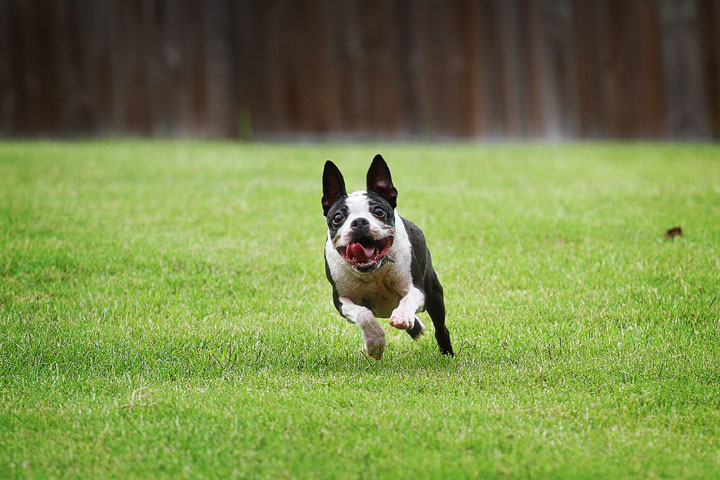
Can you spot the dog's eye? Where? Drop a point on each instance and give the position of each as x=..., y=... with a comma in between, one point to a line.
x=338, y=218
x=378, y=212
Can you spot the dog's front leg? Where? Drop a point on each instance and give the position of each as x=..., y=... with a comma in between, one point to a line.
x=403, y=317
x=373, y=334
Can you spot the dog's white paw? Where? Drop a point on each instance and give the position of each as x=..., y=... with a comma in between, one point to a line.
x=402, y=319
x=375, y=350
x=374, y=342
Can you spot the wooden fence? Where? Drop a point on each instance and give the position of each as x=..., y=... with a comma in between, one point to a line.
x=361, y=68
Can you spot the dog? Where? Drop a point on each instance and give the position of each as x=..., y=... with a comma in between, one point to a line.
x=378, y=262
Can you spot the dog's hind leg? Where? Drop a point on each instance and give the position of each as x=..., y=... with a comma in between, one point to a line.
x=435, y=306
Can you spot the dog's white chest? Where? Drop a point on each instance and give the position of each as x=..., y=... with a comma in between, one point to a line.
x=380, y=291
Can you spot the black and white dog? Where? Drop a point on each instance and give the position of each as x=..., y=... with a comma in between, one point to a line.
x=378, y=262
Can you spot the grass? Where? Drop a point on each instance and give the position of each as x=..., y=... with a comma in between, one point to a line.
x=164, y=313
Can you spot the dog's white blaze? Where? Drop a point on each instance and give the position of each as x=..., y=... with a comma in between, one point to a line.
x=358, y=206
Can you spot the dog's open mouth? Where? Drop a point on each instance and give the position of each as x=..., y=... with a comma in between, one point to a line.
x=366, y=254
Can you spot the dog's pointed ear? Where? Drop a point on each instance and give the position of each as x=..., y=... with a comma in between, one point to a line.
x=333, y=186
x=380, y=181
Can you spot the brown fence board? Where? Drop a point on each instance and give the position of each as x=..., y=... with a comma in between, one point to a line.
x=709, y=21
x=652, y=109
x=685, y=99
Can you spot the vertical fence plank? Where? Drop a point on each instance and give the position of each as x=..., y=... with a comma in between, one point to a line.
x=462, y=69
x=136, y=96
x=617, y=69
x=431, y=53
x=343, y=37
x=650, y=121
x=685, y=100
x=242, y=66
x=221, y=93
x=166, y=62
x=322, y=80
x=515, y=113
x=195, y=71
x=79, y=108
x=98, y=18
x=383, y=70
x=404, y=23
x=551, y=40
x=532, y=25
x=491, y=72
x=41, y=55
x=250, y=53
x=585, y=51
x=709, y=18
x=117, y=53
x=8, y=93
x=282, y=34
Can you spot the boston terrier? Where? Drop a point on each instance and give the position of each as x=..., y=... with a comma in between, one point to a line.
x=377, y=262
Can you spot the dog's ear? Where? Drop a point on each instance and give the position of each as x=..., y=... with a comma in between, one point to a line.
x=380, y=181
x=333, y=186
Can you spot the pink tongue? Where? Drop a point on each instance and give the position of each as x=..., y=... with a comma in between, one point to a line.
x=359, y=252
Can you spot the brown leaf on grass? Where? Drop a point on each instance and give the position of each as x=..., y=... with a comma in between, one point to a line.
x=673, y=232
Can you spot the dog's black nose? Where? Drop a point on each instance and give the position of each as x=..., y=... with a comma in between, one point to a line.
x=360, y=224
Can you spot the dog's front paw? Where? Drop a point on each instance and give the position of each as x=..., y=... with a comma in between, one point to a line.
x=375, y=350
x=374, y=342
x=402, y=319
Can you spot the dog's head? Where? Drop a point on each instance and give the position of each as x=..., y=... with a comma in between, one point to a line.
x=361, y=226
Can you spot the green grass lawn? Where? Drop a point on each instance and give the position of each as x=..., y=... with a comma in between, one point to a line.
x=164, y=312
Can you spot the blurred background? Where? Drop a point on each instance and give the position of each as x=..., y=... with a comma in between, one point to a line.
x=359, y=69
